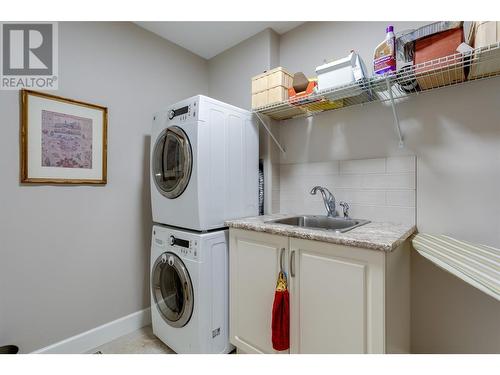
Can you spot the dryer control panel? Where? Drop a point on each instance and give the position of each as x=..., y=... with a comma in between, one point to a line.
x=185, y=112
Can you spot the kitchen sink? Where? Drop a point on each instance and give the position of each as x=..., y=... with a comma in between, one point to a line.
x=336, y=224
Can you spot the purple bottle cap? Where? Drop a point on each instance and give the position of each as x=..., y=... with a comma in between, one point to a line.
x=389, y=29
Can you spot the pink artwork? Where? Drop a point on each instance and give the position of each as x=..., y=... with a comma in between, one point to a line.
x=66, y=140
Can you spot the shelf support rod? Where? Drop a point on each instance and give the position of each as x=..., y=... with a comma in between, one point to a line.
x=264, y=124
x=395, y=113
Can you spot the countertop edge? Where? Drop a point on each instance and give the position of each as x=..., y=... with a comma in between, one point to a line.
x=320, y=236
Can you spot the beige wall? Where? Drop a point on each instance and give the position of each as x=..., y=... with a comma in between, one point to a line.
x=455, y=135
x=75, y=257
x=231, y=71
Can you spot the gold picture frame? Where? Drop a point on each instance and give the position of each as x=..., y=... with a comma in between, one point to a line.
x=62, y=141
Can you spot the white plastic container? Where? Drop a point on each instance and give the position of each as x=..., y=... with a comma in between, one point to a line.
x=348, y=70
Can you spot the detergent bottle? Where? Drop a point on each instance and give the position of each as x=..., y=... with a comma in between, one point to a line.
x=384, y=58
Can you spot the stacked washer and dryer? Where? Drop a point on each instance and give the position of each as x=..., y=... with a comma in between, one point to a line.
x=204, y=170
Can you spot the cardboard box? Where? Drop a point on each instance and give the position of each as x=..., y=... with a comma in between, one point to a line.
x=277, y=94
x=405, y=40
x=271, y=87
x=275, y=77
x=259, y=83
x=259, y=99
x=484, y=33
x=443, y=46
x=272, y=96
x=279, y=77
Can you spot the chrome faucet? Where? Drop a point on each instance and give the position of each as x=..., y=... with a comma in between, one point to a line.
x=328, y=200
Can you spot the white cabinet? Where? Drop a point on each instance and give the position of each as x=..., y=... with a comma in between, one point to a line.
x=254, y=264
x=338, y=294
x=343, y=299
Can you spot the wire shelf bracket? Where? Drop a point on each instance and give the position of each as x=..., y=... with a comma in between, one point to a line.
x=265, y=125
x=395, y=113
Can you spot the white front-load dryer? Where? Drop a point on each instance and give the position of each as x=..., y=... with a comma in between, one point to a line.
x=204, y=164
x=190, y=290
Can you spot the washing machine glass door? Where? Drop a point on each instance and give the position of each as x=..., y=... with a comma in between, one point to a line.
x=172, y=162
x=172, y=289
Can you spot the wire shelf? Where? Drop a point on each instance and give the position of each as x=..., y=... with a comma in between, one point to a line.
x=447, y=71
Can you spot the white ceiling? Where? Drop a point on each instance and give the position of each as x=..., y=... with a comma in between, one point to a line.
x=208, y=39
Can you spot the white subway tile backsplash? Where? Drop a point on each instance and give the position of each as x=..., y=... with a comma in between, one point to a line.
x=362, y=166
x=371, y=197
x=291, y=206
x=275, y=206
x=291, y=195
x=380, y=189
x=350, y=181
x=401, y=164
x=306, y=183
x=276, y=176
x=389, y=181
x=404, y=215
x=310, y=169
x=405, y=198
x=322, y=168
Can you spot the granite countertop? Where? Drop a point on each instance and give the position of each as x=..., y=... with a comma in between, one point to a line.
x=381, y=236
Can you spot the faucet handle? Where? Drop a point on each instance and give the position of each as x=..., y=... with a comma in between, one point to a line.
x=345, y=208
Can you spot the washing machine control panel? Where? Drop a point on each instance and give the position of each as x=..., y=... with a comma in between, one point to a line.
x=187, y=248
x=184, y=113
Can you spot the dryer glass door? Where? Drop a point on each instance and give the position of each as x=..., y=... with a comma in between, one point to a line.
x=172, y=289
x=172, y=162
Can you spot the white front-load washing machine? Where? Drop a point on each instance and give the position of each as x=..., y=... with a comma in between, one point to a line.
x=190, y=290
x=204, y=164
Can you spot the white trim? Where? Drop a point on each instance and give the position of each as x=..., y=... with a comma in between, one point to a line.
x=98, y=336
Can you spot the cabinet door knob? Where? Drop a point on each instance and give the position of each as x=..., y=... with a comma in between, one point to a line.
x=292, y=263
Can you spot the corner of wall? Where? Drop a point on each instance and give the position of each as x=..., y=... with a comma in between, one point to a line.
x=274, y=49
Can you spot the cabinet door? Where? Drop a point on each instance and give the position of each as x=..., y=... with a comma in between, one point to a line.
x=337, y=298
x=254, y=267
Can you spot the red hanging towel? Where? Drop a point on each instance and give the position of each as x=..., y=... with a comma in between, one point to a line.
x=281, y=315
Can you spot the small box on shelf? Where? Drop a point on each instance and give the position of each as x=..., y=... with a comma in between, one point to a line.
x=440, y=49
x=482, y=36
x=271, y=87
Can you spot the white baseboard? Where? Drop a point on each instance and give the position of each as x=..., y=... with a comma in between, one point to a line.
x=98, y=336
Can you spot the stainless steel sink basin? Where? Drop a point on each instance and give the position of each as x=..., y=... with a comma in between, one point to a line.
x=336, y=224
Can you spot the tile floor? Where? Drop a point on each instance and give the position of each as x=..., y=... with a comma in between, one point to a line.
x=141, y=341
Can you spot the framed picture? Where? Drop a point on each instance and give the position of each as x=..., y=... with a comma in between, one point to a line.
x=63, y=141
